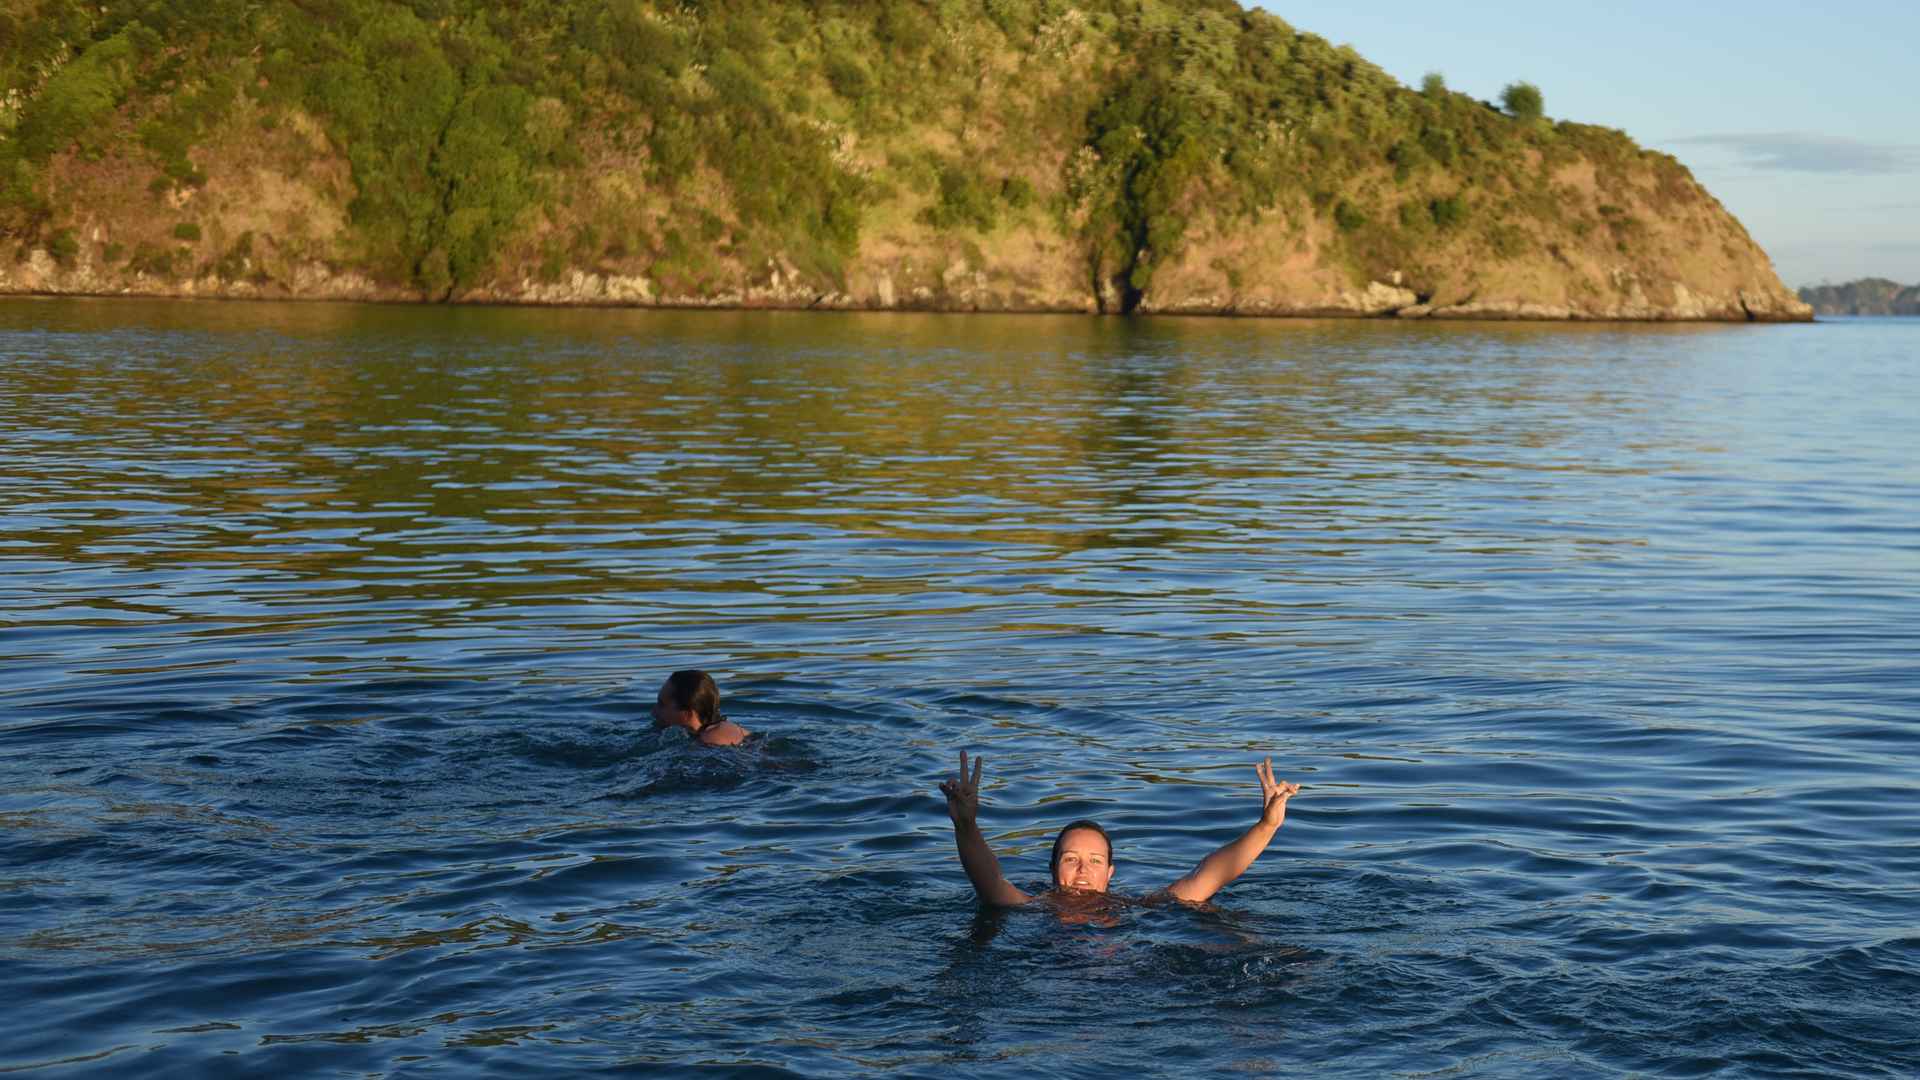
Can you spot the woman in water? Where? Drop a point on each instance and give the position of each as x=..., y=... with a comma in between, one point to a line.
x=690, y=700
x=1083, y=856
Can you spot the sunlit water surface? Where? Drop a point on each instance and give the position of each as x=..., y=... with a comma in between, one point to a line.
x=327, y=635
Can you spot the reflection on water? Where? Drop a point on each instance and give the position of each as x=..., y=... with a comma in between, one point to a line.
x=591, y=470
x=327, y=634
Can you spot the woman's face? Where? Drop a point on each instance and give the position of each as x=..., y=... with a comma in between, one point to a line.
x=1085, y=863
x=666, y=714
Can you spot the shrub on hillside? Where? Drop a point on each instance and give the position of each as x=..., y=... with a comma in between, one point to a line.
x=848, y=77
x=484, y=179
x=904, y=28
x=1448, y=212
x=63, y=245
x=1017, y=192
x=82, y=94
x=965, y=201
x=238, y=258
x=149, y=259
x=1523, y=101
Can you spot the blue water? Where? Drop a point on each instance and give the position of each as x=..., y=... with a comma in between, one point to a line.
x=327, y=635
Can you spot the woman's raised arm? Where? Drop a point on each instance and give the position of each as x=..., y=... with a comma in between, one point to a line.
x=1217, y=869
x=983, y=869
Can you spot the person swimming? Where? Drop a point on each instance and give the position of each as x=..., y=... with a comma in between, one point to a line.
x=690, y=700
x=1082, y=859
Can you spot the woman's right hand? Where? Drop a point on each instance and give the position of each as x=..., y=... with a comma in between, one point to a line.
x=963, y=793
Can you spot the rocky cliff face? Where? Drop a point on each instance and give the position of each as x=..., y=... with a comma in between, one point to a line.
x=1741, y=291
x=1038, y=273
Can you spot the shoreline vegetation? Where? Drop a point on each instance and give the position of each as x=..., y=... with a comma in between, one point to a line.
x=1109, y=156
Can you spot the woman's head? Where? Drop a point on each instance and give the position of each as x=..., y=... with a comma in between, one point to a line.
x=1083, y=857
x=688, y=699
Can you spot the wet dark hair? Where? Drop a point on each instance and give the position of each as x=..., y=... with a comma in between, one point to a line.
x=694, y=691
x=1054, y=863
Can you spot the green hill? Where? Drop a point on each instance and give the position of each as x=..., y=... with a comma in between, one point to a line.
x=1161, y=155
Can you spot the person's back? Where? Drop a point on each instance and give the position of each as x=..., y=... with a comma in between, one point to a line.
x=689, y=700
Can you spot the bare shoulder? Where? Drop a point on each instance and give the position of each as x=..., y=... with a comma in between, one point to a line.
x=724, y=733
x=1186, y=891
x=1006, y=895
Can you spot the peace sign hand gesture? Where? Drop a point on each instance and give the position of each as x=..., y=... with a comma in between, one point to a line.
x=963, y=792
x=1275, y=794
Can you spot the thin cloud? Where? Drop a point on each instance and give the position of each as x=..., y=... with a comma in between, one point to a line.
x=1867, y=208
x=1790, y=151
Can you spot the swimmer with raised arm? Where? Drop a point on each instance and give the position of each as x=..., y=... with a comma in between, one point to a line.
x=690, y=700
x=1083, y=856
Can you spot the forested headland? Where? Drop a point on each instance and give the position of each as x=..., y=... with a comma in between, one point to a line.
x=1112, y=155
x=1867, y=296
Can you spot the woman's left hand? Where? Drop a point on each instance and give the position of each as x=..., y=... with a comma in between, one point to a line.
x=1275, y=793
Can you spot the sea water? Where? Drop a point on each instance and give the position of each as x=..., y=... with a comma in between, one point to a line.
x=328, y=635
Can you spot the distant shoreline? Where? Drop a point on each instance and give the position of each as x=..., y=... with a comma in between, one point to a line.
x=1864, y=296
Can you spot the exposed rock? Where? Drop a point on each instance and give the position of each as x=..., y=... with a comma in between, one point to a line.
x=1383, y=299
x=1686, y=305
x=960, y=286
x=1765, y=305
x=1505, y=309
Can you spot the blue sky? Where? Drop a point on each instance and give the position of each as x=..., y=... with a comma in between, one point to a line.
x=1804, y=122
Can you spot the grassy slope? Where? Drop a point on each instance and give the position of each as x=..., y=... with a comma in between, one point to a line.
x=1171, y=154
